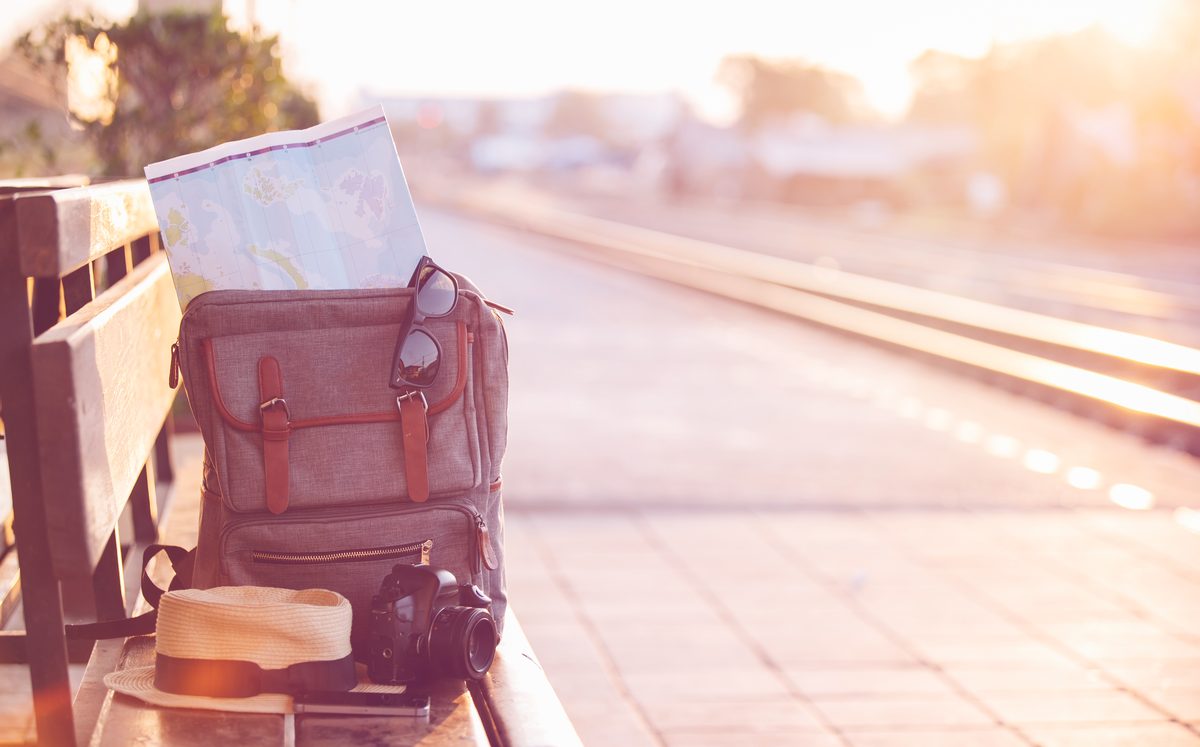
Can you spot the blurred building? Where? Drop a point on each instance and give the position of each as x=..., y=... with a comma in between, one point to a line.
x=558, y=132
x=809, y=161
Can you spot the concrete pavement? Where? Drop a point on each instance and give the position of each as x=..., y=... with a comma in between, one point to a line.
x=910, y=627
x=727, y=528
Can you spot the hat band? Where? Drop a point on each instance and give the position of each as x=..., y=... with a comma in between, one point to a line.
x=229, y=678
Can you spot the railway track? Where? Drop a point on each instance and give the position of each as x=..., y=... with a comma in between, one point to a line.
x=1125, y=380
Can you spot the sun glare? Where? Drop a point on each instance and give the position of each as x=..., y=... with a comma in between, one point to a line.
x=1132, y=21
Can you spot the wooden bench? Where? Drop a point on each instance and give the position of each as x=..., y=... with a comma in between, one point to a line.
x=87, y=311
x=86, y=409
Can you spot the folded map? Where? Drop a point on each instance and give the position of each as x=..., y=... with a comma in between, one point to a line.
x=321, y=208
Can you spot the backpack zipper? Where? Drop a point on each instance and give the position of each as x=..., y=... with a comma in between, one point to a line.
x=479, y=537
x=344, y=556
x=173, y=376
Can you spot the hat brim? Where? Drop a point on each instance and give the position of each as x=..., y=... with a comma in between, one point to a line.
x=139, y=683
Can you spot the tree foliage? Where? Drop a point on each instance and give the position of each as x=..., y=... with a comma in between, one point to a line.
x=773, y=90
x=185, y=82
x=1080, y=127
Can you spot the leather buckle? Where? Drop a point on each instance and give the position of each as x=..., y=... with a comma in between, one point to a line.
x=413, y=394
x=277, y=401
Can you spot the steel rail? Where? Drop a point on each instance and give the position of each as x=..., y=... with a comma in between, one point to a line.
x=1091, y=287
x=828, y=297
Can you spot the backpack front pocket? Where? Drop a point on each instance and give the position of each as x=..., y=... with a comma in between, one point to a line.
x=350, y=552
x=339, y=418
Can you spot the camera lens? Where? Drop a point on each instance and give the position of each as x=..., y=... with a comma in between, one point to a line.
x=462, y=642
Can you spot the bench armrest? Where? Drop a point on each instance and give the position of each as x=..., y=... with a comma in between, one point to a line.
x=516, y=702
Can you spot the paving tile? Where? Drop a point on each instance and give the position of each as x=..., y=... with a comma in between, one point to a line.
x=1183, y=704
x=573, y=685
x=901, y=711
x=741, y=739
x=1114, y=735
x=826, y=682
x=1068, y=707
x=609, y=721
x=770, y=715
x=729, y=684
x=996, y=651
x=983, y=678
x=1156, y=675
x=1033, y=594
x=789, y=644
x=1157, y=647
x=823, y=631
x=983, y=737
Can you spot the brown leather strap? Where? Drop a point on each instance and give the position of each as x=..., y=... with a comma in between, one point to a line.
x=275, y=431
x=415, y=427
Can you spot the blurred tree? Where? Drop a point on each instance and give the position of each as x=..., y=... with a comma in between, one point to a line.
x=942, y=88
x=1080, y=127
x=179, y=83
x=771, y=90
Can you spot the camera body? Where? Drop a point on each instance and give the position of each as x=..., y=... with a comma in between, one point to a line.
x=425, y=625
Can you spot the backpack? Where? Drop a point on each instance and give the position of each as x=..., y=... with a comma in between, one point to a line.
x=316, y=473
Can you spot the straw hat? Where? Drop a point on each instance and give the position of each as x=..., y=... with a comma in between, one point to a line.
x=246, y=648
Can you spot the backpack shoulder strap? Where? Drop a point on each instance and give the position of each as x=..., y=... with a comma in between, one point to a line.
x=182, y=561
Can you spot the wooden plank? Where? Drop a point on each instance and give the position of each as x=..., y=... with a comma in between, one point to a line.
x=102, y=381
x=125, y=720
x=40, y=183
x=42, y=605
x=92, y=699
x=58, y=232
x=15, y=646
x=516, y=701
x=452, y=720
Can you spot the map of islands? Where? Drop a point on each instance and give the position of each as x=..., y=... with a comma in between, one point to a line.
x=322, y=208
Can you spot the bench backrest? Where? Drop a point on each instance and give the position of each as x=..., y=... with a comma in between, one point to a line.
x=104, y=316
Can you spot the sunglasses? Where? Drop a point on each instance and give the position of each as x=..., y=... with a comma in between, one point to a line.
x=418, y=354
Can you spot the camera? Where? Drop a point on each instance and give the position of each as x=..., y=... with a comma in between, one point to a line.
x=424, y=625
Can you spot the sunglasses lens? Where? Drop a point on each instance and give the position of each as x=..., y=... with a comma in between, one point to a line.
x=419, y=359
x=436, y=292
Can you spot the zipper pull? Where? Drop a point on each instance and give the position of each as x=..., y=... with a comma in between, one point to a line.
x=426, y=547
x=486, y=551
x=173, y=377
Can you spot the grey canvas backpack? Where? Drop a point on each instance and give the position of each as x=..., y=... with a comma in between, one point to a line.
x=316, y=474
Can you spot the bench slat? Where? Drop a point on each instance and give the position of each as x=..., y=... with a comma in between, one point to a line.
x=101, y=394
x=29, y=184
x=126, y=720
x=60, y=231
x=123, y=720
x=452, y=722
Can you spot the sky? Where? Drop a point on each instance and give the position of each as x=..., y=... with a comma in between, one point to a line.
x=530, y=47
